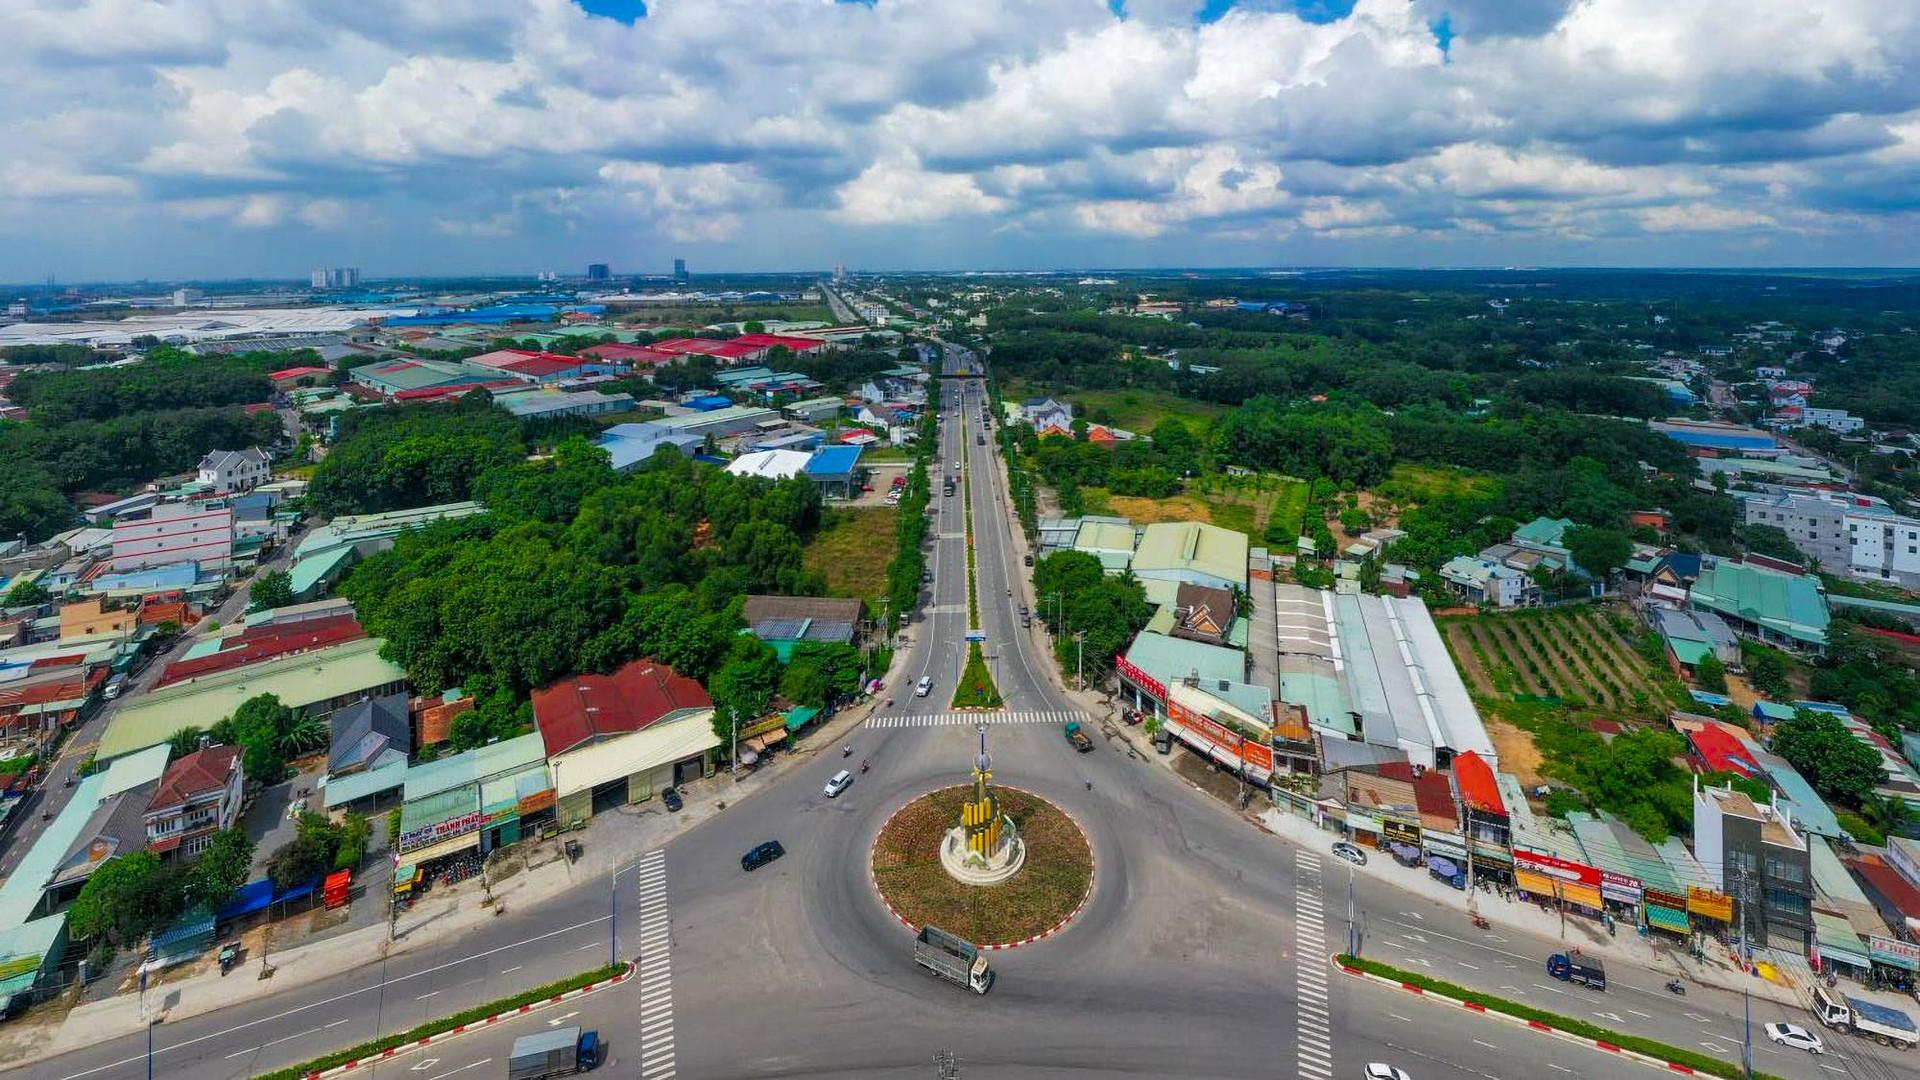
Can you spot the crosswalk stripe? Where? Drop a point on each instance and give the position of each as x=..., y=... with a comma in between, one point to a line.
x=656, y=970
x=957, y=719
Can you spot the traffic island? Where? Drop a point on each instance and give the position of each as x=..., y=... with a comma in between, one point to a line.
x=1048, y=888
x=976, y=689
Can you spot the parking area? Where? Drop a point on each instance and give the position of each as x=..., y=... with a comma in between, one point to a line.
x=881, y=478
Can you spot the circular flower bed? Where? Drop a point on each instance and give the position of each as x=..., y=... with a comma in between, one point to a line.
x=1048, y=890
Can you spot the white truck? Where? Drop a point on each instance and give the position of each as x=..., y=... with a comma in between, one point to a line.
x=952, y=958
x=1888, y=1026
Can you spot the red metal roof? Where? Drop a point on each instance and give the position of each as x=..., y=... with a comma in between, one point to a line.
x=297, y=372
x=719, y=350
x=768, y=341
x=75, y=685
x=1478, y=788
x=582, y=708
x=1719, y=751
x=616, y=352
x=1887, y=881
x=253, y=646
x=193, y=775
x=1434, y=796
x=434, y=393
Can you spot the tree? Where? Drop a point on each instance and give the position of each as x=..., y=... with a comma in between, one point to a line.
x=742, y=688
x=302, y=734
x=257, y=726
x=273, y=589
x=27, y=594
x=1766, y=669
x=221, y=869
x=1889, y=813
x=1711, y=674
x=1598, y=551
x=183, y=742
x=312, y=852
x=126, y=898
x=1819, y=745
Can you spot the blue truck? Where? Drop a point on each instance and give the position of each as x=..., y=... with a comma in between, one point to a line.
x=1575, y=966
x=562, y=1052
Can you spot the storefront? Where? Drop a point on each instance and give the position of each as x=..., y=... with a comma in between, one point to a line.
x=1712, y=911
x=1838, y=948
x=1246, y=751
x=1446, y=857
x=1623, y=895
x=1140, y=690
x=1570, y=884
x=1895, y=961
x=1666, y=912
x=1401, y=840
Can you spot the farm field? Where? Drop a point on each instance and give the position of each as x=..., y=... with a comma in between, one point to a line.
x=1238, y=504
x=853, y=549
x=1572, y=655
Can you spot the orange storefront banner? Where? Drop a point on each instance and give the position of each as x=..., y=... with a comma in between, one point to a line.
x=1709, y=903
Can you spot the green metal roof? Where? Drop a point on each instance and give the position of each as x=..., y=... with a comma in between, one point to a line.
x=508, y=755
x=1173, y=548
x=340, y=790
x=308, y=573
x=1689, y=652
x=1544, y=531
x=1774, y=710
x=1096, y=537
x=799, y=715
x=1169, y=659
x=1325, y=702
x=1789, y=604
x=439, y=806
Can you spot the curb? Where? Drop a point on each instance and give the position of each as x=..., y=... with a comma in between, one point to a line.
x=1093, y=874
x=1535, y=1025
x=462, y=1029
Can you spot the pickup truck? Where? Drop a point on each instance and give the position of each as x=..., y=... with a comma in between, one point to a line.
x=562, y=1052
x=953, y=959
x=1577, y=967
x=1077, y=737
x=1888, y=1026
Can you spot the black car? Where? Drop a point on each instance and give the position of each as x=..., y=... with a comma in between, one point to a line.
x=671, y=797
x=761, y=855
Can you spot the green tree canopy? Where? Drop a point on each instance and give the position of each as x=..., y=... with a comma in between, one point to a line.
x=1711, y=674
x=1598, y=551
x=273, y=589
x=1820, y=747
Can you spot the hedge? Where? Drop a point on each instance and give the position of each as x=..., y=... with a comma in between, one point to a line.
x=1693, y=1059
x=435, y=1027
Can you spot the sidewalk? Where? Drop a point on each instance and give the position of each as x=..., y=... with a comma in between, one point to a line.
x=613, y=839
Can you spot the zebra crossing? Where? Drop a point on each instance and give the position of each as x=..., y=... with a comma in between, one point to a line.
x=968, y=719
x=1314, y=1053
x=656, y=970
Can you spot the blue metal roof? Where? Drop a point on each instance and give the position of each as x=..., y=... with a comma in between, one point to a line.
x=833, y=461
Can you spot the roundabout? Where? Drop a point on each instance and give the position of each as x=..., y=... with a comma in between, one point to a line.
x=1051, y=883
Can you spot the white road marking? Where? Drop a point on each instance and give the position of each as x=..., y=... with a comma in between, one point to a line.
x=426, y=995
x=461, y=1069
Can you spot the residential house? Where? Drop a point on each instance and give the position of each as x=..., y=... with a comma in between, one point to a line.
x=1484, y=581
x=199, y=795
x=1204, y=614
x=1778, y=608
x=1753, y=853
x=228, y=471
x=367, y=749
x=1048, y=414
x=92, y=618
x=200, y=533
x=1691, y=636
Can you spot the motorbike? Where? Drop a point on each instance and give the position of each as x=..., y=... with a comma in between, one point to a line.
x=1674, y=986
x=847, y=750
x=865, y=765
x=1481, y=922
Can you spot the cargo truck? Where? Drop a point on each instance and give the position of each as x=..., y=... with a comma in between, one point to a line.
x=1577, y=967
x=953, y=959
x=1888, y=1026
x=1077, y=737
x=562, y=1052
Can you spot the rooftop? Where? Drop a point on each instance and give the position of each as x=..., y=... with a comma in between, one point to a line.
x=1174, y=546
x=1789, y=604
x=588, y=708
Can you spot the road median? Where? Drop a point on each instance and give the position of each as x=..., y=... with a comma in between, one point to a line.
x=375, y=1051
x=1648, y=1052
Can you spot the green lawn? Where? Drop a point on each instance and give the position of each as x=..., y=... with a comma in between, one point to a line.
x=853, y=549
x=1139, y=410
x=976, y=689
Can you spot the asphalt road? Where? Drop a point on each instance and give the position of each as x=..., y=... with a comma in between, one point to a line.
x=1201, y=953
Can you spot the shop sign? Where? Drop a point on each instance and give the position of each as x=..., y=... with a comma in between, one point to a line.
x=1886, y=950
x=1709, y=903
x=1450, y=846
x=1255, y=758
x=1400, y=833
x=445, y=830
x=1619, y=888
x=1558, y=868
x=1361, y=819
x=1671, y=901
x=1154, y=687
x=773, y=722
x=536, y=802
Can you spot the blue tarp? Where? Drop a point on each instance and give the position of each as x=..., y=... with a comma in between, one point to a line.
x=256, y=895
x=1715, y=700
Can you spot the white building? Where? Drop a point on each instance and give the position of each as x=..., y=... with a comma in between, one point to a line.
x=176, y=532
x=1483, y=581
x=1846, y=532
x=1839, y=420
x=228, y=471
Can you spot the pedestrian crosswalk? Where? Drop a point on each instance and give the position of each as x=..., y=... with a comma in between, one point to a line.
x=968, y=719
x=656, y=970
x=1314, y=1052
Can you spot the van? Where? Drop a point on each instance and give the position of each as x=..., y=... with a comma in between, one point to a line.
x=838, y=783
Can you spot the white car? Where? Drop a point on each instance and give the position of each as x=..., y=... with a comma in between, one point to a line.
x=1350, y=853
x=1795, y=1036
x=1379, y=1071
x=924, y=686
x=839, y=782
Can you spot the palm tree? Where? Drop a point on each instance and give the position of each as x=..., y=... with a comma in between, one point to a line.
x=1888, y=813
x=305, y=733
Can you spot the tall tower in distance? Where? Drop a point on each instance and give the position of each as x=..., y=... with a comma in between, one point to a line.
x=335, y=277
x=598, y=272
x=680, y=271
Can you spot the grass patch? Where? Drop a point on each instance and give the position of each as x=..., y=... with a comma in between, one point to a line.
x=1712, y=1066
x=853, y=550
x=1139, y=410
x=1235, y=516
x=1147, y=511
x=435, y=1027
x=976, y=689
x=1054, y=880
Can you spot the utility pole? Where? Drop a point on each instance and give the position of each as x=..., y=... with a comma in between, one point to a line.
x=1080, y=660
x=1353, y=938
x=1743, y=943
x=733, y=756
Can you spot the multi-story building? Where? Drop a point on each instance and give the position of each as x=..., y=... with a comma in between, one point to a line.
x=228, y=471
x=335, y=277
x=1845, y=532
x=198, y=796
x=176, y=532
x=598, y=272
x=680, y=270
x=1755, y=855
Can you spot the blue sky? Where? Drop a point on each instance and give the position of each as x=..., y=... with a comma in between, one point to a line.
x=223, y=138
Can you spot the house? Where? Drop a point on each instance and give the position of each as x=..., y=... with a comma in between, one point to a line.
x=92, y=619
x=1778, y=608
x=1546, y=536
x=1203, y=614
x=481, y=799
x=201, y=533
x=367, y=749
x=199, y=795
x=629, y=446
x=616, y=739
x=1201, y=554
x=1658, y=520
x=1754, y=853
x=1048, y=413
x=1692, y=636
x=228, y=471
x=1483, y=581
x=304, y=375
x=786, y=622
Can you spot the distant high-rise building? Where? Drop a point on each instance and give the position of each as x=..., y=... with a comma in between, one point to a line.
x=183, y=297
x=598, y=272
x=335, y=277
x=839, y=271
x=679, y=269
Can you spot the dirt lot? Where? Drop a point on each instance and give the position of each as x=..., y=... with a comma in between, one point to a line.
x=1149, y=511
x=1517, y=753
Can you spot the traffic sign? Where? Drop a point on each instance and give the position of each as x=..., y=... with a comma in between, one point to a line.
x=976, y=635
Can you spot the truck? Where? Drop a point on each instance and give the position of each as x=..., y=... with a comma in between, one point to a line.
x=1077, y=737
x=1887, y=1026
x=1577, y=967
x=952, y=958
x=561, y=1052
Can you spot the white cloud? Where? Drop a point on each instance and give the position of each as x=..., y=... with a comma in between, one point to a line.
x=533, y=129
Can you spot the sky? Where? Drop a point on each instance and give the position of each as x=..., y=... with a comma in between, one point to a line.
x=259, y=138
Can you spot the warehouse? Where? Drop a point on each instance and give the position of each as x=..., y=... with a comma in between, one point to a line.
x=720, y=422
x=618, y=739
